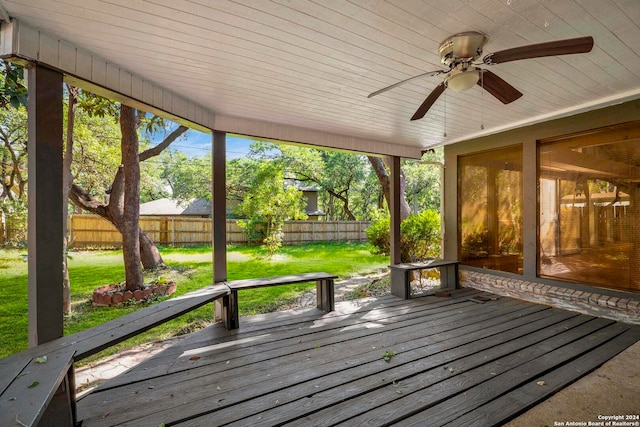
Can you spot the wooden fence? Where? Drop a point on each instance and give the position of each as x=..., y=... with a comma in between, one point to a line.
x=93, y=231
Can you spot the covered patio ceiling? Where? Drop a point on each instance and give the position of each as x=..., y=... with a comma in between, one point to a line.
x=301, y=70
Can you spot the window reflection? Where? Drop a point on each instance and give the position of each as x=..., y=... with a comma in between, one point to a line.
x=588, y=201
x=490, y=209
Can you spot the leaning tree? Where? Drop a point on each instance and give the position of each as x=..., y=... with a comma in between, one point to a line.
x=122, y=207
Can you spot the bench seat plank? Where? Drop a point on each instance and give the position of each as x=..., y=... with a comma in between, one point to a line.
x=278, y=280
x=119, y=330
x=10, y=367
x=423, y=265
x=25, y=400
x=324, y=286
x=93, y=340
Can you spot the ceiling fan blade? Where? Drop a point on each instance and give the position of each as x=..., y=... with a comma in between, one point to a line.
x=433, y=97
x=429, y=73
x=558, y=47
x=499, y=88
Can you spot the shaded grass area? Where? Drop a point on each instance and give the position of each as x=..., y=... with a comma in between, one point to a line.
x=191, y=268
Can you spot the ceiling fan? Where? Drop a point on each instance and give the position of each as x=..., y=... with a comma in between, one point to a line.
x=461, y=52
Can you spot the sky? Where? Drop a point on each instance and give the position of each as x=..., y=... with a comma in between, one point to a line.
x=199, y=143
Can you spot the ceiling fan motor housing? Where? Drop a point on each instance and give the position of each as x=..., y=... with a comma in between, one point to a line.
x=463, y=47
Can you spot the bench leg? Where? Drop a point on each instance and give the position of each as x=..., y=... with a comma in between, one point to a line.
x=449, y=276
x=230, y=310
x=324, y=292
x=61, y=411
x=400, y=283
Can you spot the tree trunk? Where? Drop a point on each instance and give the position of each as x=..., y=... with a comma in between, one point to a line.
x=149, y=254
x=345, y=204
x=380, y=168
x=66, y=183
x=131, y=199
x=113, y=212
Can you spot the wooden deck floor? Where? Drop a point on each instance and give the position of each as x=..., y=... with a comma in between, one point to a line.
x=457, y=362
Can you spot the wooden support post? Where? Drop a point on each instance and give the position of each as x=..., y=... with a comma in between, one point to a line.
x=218, y=213
x=395, y=211
x=219, y=207
x=46, y=234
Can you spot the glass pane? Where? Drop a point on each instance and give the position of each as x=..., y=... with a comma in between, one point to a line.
x=490, y=209
x=589, y=196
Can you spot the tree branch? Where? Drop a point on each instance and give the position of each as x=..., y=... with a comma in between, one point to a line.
x=154, y=151
x=86, y=201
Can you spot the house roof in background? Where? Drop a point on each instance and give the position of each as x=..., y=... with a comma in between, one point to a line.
x=165, y=206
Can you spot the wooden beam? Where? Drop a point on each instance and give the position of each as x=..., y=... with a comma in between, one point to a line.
x=395, y=210
x=45, y=238
x=219, y=206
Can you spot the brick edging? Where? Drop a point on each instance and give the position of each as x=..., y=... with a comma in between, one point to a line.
x=623, y=309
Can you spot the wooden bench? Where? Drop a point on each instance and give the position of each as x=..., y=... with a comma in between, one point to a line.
x=324, y=288
x=401, y=280
x=37, y=386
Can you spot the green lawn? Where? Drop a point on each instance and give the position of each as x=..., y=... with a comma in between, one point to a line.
x=190, y=268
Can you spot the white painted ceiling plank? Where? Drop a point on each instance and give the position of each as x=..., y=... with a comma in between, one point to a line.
x=311, y=63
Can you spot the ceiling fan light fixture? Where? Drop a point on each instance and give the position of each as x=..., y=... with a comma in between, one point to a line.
x=460, y=82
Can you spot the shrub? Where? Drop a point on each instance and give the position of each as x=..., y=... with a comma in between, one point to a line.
x=13, y=220
x=419, y=236
x=378, y=235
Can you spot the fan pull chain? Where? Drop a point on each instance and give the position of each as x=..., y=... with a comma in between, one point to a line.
x=445, y=114
x=482, y=101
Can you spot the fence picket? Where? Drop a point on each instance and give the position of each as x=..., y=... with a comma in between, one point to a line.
x=87, y=230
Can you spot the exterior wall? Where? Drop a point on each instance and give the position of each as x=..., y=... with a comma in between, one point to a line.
x=528, y=137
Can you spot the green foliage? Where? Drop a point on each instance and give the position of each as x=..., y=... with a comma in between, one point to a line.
x=188, y=176
x=15, y=221
x=419, y=236
x=13, y=155
x=348, y=187
x=253, y=228
x=338, y=175
x=388, y=354
x=13, y=152
x=267, y=202
x=422, y=182
x=13, y=90
x=378, y=235
x=96, y=151
x=237, y=184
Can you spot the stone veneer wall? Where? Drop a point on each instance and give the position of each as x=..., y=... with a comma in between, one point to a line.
x=623, y=309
